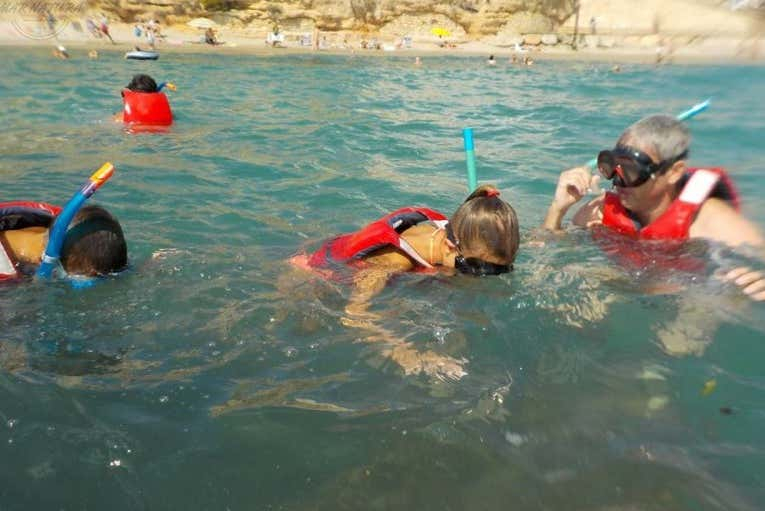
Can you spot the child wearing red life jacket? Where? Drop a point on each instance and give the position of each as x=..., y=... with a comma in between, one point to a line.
x=144, y=103
x=481, y=238
x=94, y=245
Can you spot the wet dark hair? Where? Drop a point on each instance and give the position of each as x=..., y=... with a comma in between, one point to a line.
x=486, y=224
x=142, y=83
x=94, y=244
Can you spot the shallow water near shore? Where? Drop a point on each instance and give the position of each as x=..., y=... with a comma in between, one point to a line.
x=213, y=376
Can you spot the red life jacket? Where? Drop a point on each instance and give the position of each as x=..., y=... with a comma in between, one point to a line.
x=146, y=108
x=385, y=232
x=662, y=245
x=675, y=222
x=19, y=215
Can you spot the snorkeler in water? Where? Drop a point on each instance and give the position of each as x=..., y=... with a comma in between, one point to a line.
x=145, y=103
x=481, y=238
x=94, y=245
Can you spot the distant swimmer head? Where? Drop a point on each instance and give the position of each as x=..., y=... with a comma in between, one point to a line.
x=142, y=83
x=484, y=233
x=94, y=245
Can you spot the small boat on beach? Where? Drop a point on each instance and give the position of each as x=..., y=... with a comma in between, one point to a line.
x=142, y=55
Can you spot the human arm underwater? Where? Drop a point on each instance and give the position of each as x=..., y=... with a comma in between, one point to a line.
x=368, y=283
x=718, y=221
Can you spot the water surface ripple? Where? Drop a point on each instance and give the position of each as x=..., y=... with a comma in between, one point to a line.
x=214, y=377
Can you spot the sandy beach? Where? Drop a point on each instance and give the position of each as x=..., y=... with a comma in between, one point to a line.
x=182, y=38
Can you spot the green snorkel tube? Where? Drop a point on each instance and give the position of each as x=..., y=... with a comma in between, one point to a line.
x=57, y=234
x=467, y=137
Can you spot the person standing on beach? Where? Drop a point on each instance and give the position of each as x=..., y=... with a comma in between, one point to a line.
x=51, y=20
x=105, y=28
x=150, y=36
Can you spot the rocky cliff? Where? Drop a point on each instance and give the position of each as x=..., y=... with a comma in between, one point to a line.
x=498, y=21
x=474, y=18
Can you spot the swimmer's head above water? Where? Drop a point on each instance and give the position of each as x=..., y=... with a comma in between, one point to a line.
x=484, y=233
x=94, y=245
x=142, y=83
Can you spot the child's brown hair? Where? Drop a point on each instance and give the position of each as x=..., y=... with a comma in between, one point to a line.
x=486, y=224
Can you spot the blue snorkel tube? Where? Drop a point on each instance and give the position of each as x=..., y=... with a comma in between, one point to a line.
x=688, y=114
x=467, y=137
x=57, y=234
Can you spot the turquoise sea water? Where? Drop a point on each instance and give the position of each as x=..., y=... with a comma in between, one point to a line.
x=212, y=376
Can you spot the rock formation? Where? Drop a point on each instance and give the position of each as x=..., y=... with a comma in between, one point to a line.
x=474, y=18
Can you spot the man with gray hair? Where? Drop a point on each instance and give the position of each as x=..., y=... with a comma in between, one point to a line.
x=656, y=197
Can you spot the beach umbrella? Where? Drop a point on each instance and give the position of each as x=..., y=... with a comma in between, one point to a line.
x=202, y=23
x=440, y=32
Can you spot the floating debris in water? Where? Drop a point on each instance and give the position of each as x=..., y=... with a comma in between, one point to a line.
x=441, y=333
x=558, y=476
x=163, y=253
x=515, y=439
x=727, y=410
x=656, y=403
x=653, y=372
x=709, y=387
x=115, y=463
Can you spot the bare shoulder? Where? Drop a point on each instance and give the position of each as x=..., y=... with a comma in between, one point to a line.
x=717, y=220
x=591, y=213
